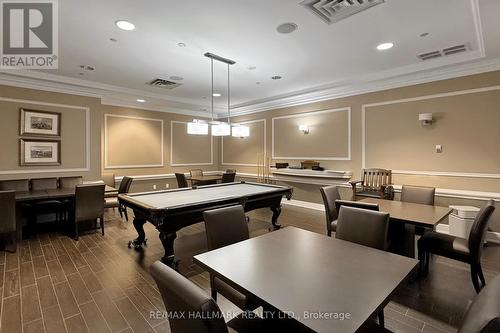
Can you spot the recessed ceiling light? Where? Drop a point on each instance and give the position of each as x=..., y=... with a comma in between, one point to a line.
x=424, y=34
x=287, y=28
x=140, y=100
x=251, y=68
x=125, y=25
x=114, y=40
x=176, y=78
x=385, y=46
x=216, y=95
x=181, y=44
x=276, y=77
x=257, y=82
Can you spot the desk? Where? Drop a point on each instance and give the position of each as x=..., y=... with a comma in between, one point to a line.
x=205, y=180
x=173, y=210
x=411, y=215
x=298, y=271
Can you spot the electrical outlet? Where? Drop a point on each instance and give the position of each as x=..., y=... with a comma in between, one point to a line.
x=154, y=187
x=439, y=149
x=167, y=186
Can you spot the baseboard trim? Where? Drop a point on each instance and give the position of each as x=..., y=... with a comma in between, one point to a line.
x=493, y=237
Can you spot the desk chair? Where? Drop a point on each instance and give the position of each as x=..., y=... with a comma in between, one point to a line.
x=112, y=202
x=461, y=249
x=89, y=205
x=365, y=227
x=226, y=226
x=181, y=180
x=330, y=194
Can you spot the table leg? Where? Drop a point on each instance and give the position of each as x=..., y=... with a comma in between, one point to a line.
x=402, y=238
x=276, y=213
x=141, y=235
x=167, y=240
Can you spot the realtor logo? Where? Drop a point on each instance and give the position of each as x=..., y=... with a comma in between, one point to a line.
x=29, y=34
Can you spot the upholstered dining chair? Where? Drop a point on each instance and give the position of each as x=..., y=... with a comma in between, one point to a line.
x=70, y=182
x=461, y=249
x=8, y=224
x=365, y=227
x=108, y=179
x=418, y=194
x=89, y=205
x=19, y=185
x=196, y=172
x=330, y=194
x=228, y=177
x=24, y=211
x=47, y=206
x=198, y=312
x=181, y=180
x=112, y=202
x=226, y=226
x=230, y=170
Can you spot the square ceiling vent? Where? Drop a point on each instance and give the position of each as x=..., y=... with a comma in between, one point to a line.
x=331, y=11
x=165, y=84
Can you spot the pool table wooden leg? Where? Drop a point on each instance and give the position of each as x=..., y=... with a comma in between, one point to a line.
x=276, y=213
x=141, y=235
x=167, y=240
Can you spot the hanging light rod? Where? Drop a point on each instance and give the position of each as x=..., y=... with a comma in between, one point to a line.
x=219, y=58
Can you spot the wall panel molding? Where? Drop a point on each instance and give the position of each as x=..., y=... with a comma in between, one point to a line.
x=365, y=107
x=84, y=168
x=313, y=113
x=172, y=122
x=264, y=148
x=130, y=166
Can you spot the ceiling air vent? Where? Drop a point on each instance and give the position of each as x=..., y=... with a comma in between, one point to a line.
x=332, y=11
x=162, y=83
x=444, y=52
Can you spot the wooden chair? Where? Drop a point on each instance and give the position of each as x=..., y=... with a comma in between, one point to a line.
x=228, y=177
x=376, y=183
x=196, y=172
x=112, y=202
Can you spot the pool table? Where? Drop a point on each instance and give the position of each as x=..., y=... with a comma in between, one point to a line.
x=172, y=210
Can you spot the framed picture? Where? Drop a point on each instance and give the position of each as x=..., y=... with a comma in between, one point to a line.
x=40, y=152
x=34, y=122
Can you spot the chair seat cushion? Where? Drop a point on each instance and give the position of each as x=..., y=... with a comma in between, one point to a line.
x=333, y=226
x=369, y=194
x=111, y=202
x=445, y=245
x=239, y=299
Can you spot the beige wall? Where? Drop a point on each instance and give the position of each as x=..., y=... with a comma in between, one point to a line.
x=396, y=140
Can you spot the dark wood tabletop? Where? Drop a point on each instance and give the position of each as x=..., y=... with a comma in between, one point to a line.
x=53, y=194
x=422, y=215
x=302, y=272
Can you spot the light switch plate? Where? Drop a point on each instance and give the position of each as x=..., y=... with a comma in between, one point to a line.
x=154, y=187
x=439, y=149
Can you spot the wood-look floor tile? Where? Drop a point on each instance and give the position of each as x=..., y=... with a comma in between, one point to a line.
x=80, y=291
x=40, y=267
x=162, y=328
x=46, y=292
x=132, y=316
x=27, y=274
x=24, y=254
x=30, y=304
x=11, y=315
x=2, y=268
x=150, y=292
x=94, y=264
x=2, y=258
x=48, y=252
x=53, y=320
x=90, y=280
x=110, y=312
x=44, y=238
x=77, y=258
x=58, y=247
x=94, y=319
x=11, y=283
x=76, y=324
x=56, y=271
x=106, y=278
x=66, y=300
x=11, y=261
x=144, y=306
x=89, y=242
x=34, y=327
x=67, y=265
x=35, y=247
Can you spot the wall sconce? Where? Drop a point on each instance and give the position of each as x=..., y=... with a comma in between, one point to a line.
x=304, y=129
x=425, y=118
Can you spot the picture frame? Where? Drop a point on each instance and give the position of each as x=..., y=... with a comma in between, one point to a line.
x=37, y=123
x=39, y=152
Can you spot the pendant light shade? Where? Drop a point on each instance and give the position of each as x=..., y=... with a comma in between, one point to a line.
x=240, y=131
x=197, y=127
x=221, y=129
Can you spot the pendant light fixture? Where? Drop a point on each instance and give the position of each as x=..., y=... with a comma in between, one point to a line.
x=219, y=128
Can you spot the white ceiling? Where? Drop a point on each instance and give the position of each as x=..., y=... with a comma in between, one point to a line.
x=317, y=57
